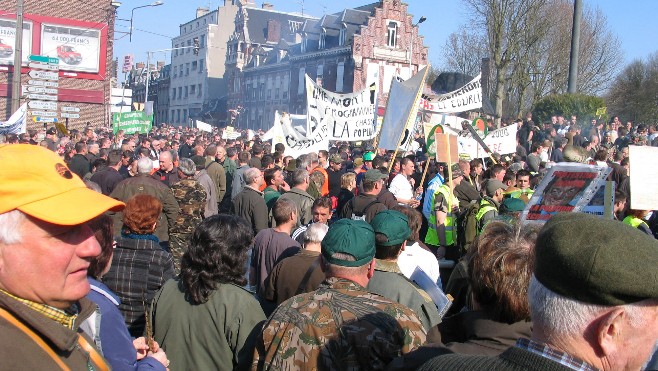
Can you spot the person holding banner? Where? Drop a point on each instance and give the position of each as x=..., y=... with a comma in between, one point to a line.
x=402, y=184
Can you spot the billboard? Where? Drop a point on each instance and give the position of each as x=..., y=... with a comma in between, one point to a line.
x=78, y=49
x=8, y=41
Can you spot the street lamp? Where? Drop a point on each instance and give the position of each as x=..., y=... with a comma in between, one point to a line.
x=132, y=13
x=411, y=46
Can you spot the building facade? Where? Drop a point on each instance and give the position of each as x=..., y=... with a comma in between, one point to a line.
x=343, y=52
x=197, y=75
x=82, y=38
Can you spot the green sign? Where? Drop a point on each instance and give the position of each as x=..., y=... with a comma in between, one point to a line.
x=43, y=59
x=132, y=122
x=431, y=141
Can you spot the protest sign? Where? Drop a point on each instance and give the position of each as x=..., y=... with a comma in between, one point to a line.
x=466, y=98
x=643, y=177
x=230, y=133
x=16, y=124
x=203, y=126
x=131, y=122
x=446, y=148
x=567, y=187
x=295, y=143
x=348, y=117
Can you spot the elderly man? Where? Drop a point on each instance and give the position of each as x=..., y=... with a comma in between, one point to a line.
x=340, y=325
x=249, y=203
x=299, y=195
x=143, y=182
x=45, y=250
x=590, y=309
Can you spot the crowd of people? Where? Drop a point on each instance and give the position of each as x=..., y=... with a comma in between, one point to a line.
x=178, y=249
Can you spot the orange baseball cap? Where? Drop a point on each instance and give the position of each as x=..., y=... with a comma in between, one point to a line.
x=36, y=181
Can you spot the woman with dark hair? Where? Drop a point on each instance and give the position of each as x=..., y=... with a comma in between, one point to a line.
x=140, y=266
x=204, y=319
x=108, y=329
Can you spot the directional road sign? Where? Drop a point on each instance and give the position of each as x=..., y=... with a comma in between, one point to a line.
x=40, y=89
x=44, y=119
x=43, y=113
x=69, y=109
x=43, y=66
x=70, y=115
x=43, y=59
x=50, y=84
x=46, y=75
x=42, y=97
x=36, y=104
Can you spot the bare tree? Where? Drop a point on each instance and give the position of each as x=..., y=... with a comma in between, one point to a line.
x=634, y=92
x=464, y=51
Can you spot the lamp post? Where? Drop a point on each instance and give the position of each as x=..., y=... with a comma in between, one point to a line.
x=411, y=46
x=132, y=13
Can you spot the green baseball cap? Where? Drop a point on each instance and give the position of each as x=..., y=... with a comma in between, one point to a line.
x=393, y=224
x=368, y=156
x=617, y=267
x=354, y=237
x=374, y=175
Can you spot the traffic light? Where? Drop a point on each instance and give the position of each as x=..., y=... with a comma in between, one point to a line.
x=196, y=46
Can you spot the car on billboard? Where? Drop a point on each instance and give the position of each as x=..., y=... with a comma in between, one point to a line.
x=68, y=54
x=5, y=50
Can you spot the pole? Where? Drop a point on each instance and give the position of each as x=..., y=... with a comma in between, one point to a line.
x=18, y=56
x=148, y=71
x=575, y=47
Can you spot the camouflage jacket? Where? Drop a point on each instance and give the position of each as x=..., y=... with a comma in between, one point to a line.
x=339, y=326
x=191, y=197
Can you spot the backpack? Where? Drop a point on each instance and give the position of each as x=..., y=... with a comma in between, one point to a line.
x=360, y=215
x=467, y=225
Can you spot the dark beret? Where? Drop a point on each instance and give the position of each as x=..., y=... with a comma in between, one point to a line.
x=596, y=261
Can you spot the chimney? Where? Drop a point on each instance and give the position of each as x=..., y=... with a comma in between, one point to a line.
x=140, y=65
x=273, y=31
x=268, y=6
x=200, y=12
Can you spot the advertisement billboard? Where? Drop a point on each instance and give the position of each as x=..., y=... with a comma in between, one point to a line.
x=78, y=49
x=8, y=41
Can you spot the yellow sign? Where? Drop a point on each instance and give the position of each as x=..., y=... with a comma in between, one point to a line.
x=61, y=128
x=601, y=111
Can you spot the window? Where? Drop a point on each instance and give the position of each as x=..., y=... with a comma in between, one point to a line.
x=173, y=115
x=301, y=81
x=184, y=116
x=303, y=46
x=173, y=94
x=202, y=41
x=192, y=89
x=276, y=93
x=186, y=90
x=262, y=91
x=187, y=69
x=323, y=39
x=180, y=92
x=189, y=43
x=342, y=35
x=340, y=72
x=175, y=71
x=194, y=64
x=392, y=34
x=200, y=90
x=200, y=65
x=269, y=94
x=175, y=50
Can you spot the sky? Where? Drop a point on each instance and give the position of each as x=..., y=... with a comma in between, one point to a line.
x=632, y=21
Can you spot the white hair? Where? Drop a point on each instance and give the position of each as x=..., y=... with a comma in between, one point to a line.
x=315, y=232
x=250, y=175
x=144, y=165
x=10, y=223
x=561, y=317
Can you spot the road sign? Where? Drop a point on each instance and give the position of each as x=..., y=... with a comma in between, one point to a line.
x=50, y=84
x=43, y=59
x=42, y=97
x=44, y=66
x=46, y=75
x=127, y=63
x=43, y=113
x=44, y=119
x=70, y=109
x=39, y=89
x=37, y=104
x=70, y=115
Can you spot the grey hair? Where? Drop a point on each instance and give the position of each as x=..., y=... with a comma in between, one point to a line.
x=313, y=158
x=10, y=223
x=315, y=232
x=250, y=175
x=299, y=176
x=560, y=317
x=333, y=270
x=187, y=166
x=303, y=161
x=144, y=165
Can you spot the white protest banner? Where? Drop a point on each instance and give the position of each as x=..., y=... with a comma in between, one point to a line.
x=230, y=133
x=643, y=177
x=203, y=126
x=294, y=142
x=501, y=141
x=348, y=117
x=466, y=98
x=16, y=124
x=402, y=104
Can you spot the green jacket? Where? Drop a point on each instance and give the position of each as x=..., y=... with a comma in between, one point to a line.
x=216, y=335
x=389, y=282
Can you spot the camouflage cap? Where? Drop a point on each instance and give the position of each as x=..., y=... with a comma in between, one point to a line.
x=335, y=159
x=393, y=224
x=353, y=237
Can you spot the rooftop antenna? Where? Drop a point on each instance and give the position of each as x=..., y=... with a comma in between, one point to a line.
x=301, y=2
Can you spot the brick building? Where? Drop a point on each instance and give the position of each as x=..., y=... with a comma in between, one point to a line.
x=270, y=52
x=55, y=28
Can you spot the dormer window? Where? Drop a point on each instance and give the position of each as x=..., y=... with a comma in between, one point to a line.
x=323, y=38
x=342, y=34
x=303, y=46
x=392, y=35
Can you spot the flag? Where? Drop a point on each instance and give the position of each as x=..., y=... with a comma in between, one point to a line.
x=401, y=110
x=17, y=122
